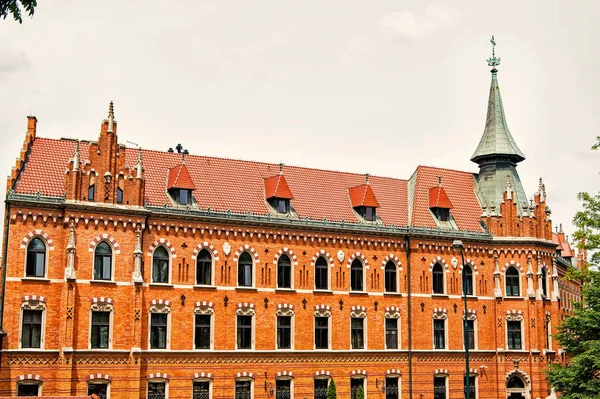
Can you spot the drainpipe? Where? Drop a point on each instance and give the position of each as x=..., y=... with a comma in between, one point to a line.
x=410, y=371
x=4, y=262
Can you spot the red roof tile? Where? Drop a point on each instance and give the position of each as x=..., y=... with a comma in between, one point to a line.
x=277, y=187
x=438, y=198
x=459, y=187
x=362, y=196
x=562, y=245
x=179, y=177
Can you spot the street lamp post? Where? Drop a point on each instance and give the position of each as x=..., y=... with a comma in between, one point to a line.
x=458, y=244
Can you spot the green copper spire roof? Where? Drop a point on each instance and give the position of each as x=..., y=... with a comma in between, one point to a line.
x=496, y=139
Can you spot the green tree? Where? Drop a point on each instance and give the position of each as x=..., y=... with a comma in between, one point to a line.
x=360, y=394
x=331, y=392
x=13, y=7
x=579, y=333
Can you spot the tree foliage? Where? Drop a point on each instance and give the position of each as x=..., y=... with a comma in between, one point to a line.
x=331, y=392
x=360, y=393
x=16, y=7
x=579, y=333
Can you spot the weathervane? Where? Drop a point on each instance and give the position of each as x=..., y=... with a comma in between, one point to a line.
x=493, y=61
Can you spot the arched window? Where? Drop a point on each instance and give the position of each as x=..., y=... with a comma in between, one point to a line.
x=321, y=274
x=204, y=268
x=92, y=187
x=391, y=284
x=511, y=278
x=101, y=388
x=467, y=280
x=103, y=262
x=284, y=272
x=356, y=276
x=515, y=382
x=36, y=258
x=119, y=195
x=438, y=279
x=544, y=278
x=245, y=270
x=160, y=265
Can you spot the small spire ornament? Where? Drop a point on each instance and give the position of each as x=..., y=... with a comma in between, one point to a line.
x=493, y=61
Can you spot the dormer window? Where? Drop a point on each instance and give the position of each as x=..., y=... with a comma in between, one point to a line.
x=442, y=214
x=180, y=185
x=364, y=202
x=439, y=203
x=278, y=193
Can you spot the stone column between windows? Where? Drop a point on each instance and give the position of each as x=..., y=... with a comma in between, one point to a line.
x=136, y=313
x=65, y=341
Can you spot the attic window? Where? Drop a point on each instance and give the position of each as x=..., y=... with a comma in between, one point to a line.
x=367, y=212
x=439, y=203
x=181, y=195
x=442, y=214
x=180, y=185
x=278, y=193
x=282, y=205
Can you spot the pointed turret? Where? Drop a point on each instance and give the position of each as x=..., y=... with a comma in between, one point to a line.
x=497, y=154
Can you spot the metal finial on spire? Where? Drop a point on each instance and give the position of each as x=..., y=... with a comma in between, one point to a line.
x=493, y=61
x=280, y=168
x=440, y=181
x=111, y=110
x=183, y=157
x=366, y=178
x=111, y=118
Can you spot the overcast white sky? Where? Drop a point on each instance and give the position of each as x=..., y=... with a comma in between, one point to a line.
x=378, y=86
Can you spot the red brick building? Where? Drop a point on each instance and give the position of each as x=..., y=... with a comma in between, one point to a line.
x=133, y=273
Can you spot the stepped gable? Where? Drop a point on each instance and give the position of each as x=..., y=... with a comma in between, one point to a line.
x=459, y=188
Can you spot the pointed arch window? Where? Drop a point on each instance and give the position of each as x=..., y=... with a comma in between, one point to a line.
x=92, y=187
x=204, y=268
x=467, y=280
x=103, y=258
x=284, y=272
x=438, y=279
x=321, y=274
x=511, y=278
x=245, y=270
x=36, y=258
x=356, y=276
x=391, y=277
x=544, y=277
x=160, y=265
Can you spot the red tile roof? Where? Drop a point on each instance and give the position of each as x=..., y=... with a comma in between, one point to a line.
x=179, y=177
x=438, y=198
x=362, y=196
x=562, y=245
x=277, y=187
x=240, y=186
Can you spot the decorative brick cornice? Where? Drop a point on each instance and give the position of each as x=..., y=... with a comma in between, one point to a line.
x=244, y=374
x=514, y=312
x=440, y=310
x=102, y=300
x=29, y=377
x=164, y=376
x=285, y=374
x=205, y=304
x=357, y=255
x=162, y=242
x=473, y=371
x=243, y=305
x=285, y=306
x=359, y=372
x=392, y=309
x=323, y=307
x=104, y=237
x=359, y=308
x=38, y=298
x=209, y=247
x=246, y=248
x=37, y=233
x=325, y=255
x=202, y=374
x=441, y=371
x=164, y=302
x=470, y=263
x=98, y=376
x=393, y=258
x=441, y=261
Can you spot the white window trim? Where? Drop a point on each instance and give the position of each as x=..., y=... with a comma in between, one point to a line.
x=159, y=308
x=33, y=305
x=288, y=378
x=291, y=287
x=399, y=377
x=166, y=381
x=39, y=384
x=170, y=273
x=203, y=379
x=443, y=280
x=244, y=379
x=365, y=382
x=99, y=381
x=204, y=310
x=520, y=319
x=112, y=263
x=359, y=314
x=440, y=316
x=45, y=276
x=328, y=274
x=323, y=313
x=101, y=307
x=252, y=274
x=520, y=283
x=475, y=332
x=445, y=376
x=212, y=269
x=364, y=276
x=286, y=312
x=246, y=311
x=476, y=385
x=392, y=315
x=397, y=277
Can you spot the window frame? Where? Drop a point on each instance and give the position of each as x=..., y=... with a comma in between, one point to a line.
x=517, y=278
x=99, y=381
x=385, y=332
x=364, y=384
x=444, y=320
x=120, y=195
x=396, y=279
x=521, y=333
x=201, y=380
x=359, y=316
x=36, y=383
x=472, y=388
x=246, y=312
x=244, y=379
x=398, y=377
x=291, y=328
x=445, y=377
x=45, y=266
x=159, y=309
x=321, y=377
x=471, y=279
x=32, y=305
x=285, y=378
x=327, y=315
x=291, y=271
x=169, y=265
x=327, y=273
x=212, y=268
x=112, y=262
x=211, y=331
x=357, y=261
x=433, y=279
x=157, y=381
x=252, y=270
x=544, y=282
x=101, y=307
x=475, y=340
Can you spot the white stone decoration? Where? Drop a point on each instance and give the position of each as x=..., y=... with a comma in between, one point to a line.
x=340, y=255
x=454, y=262
x=226, y=248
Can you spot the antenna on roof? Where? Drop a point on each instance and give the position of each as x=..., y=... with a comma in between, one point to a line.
x=132, y=143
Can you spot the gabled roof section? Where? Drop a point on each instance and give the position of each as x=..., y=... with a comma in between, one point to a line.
x=562, y=245
x=179, y=177
x=496, y=139
x=438, y=198
x=363, y=196
x=277, y=187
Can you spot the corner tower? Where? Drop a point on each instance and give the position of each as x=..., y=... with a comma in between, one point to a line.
x=497, y=154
